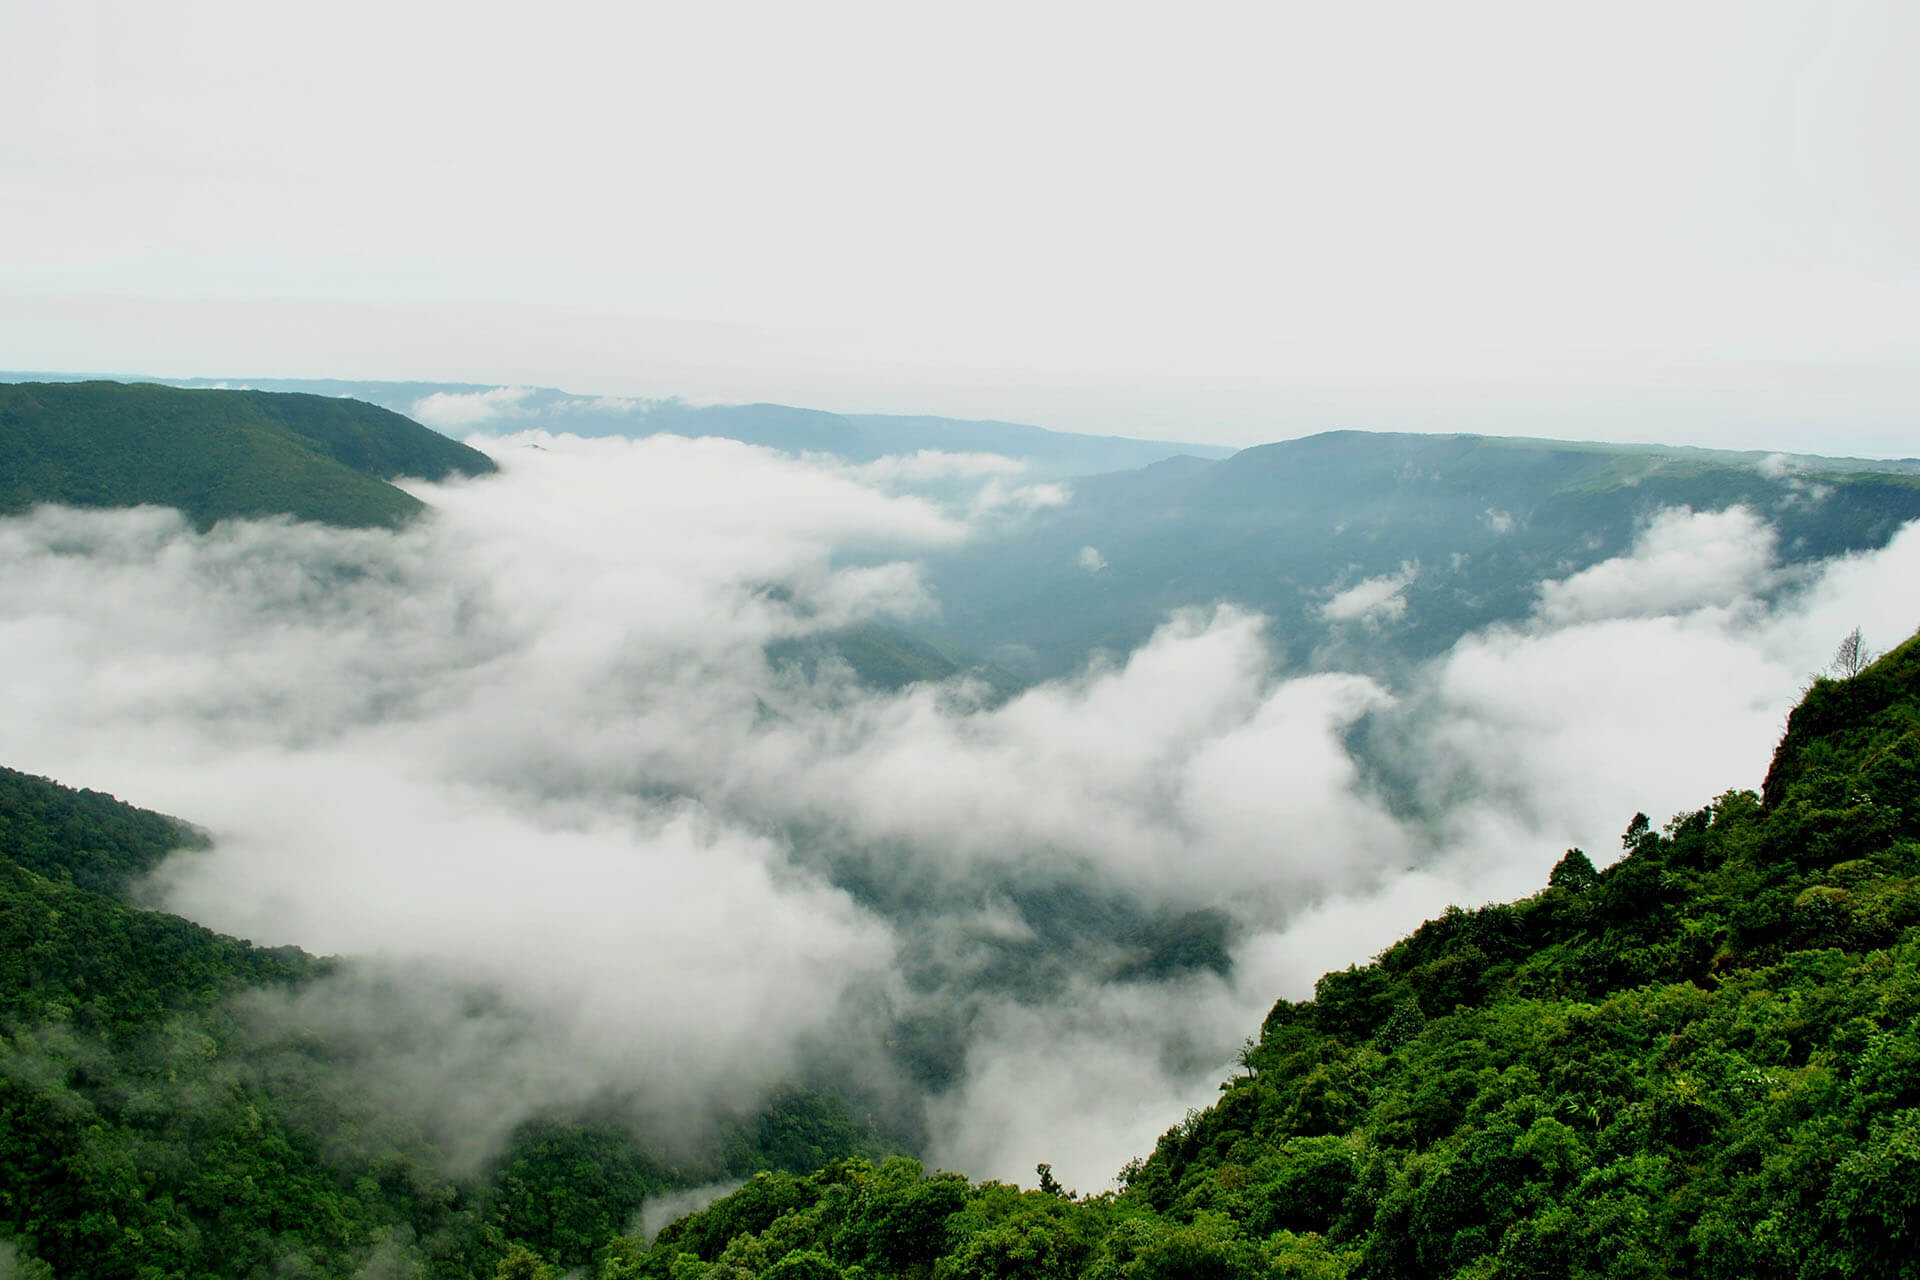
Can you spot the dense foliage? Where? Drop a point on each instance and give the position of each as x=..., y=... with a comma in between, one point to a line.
x=1703, y=1060
x=215, y=454
x=147, y=1131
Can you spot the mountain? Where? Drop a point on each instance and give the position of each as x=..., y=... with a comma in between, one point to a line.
x=1702, y=1060
x=216, y=454
x=461, y=407
x=1455, y=531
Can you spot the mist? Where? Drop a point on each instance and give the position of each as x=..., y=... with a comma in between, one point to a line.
x=528, y=766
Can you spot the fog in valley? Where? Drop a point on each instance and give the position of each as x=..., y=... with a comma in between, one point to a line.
x=528, y=765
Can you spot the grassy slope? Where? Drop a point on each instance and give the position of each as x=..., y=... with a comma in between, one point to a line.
x=215, y=454
x=1703, y=1060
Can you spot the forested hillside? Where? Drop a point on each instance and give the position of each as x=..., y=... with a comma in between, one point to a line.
x=147, y=1129
x=1702, y=1060
x=215, y=454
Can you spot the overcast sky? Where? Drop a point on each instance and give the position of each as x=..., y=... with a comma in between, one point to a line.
x=1684, y=222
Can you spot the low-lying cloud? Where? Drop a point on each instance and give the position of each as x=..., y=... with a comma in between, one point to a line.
x=533, y=745
x=1168, y=774
x=1682, y=561
x=463, y=411
x=1373, y=601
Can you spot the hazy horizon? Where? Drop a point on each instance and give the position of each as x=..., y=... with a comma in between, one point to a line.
x=456, y=424
x=1690, y=226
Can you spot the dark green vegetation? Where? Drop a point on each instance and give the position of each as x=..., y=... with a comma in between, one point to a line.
x=1279, y=528
x=1703, y=1060
x=147, y=1129
x=216, y=454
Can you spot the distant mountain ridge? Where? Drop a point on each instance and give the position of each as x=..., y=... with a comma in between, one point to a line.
x=462, y=407
x=1462, y=529
x=217, y=454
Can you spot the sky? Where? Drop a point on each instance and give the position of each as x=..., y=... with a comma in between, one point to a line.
x=1688, y=223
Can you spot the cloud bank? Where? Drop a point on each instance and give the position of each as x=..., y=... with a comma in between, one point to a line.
x=533, y=746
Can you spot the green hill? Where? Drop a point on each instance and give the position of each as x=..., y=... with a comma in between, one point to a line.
x=1702, y=1060
x=216, y=454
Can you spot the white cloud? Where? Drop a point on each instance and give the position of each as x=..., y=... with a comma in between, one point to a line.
x=1068, y=1083
x=935, y=464
x=458, y=412
x=975, y=486
x=1573, y=728
x=659, y=1210
x=1682, y=560
x=1498, y=521
x=622, y=405
x=997, y=496
x=1373, y=601
x=1168, y=775
x=1810, y=491
x=1652, y=682
x=1091, y=560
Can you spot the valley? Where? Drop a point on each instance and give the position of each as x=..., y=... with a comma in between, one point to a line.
x=618, y=821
